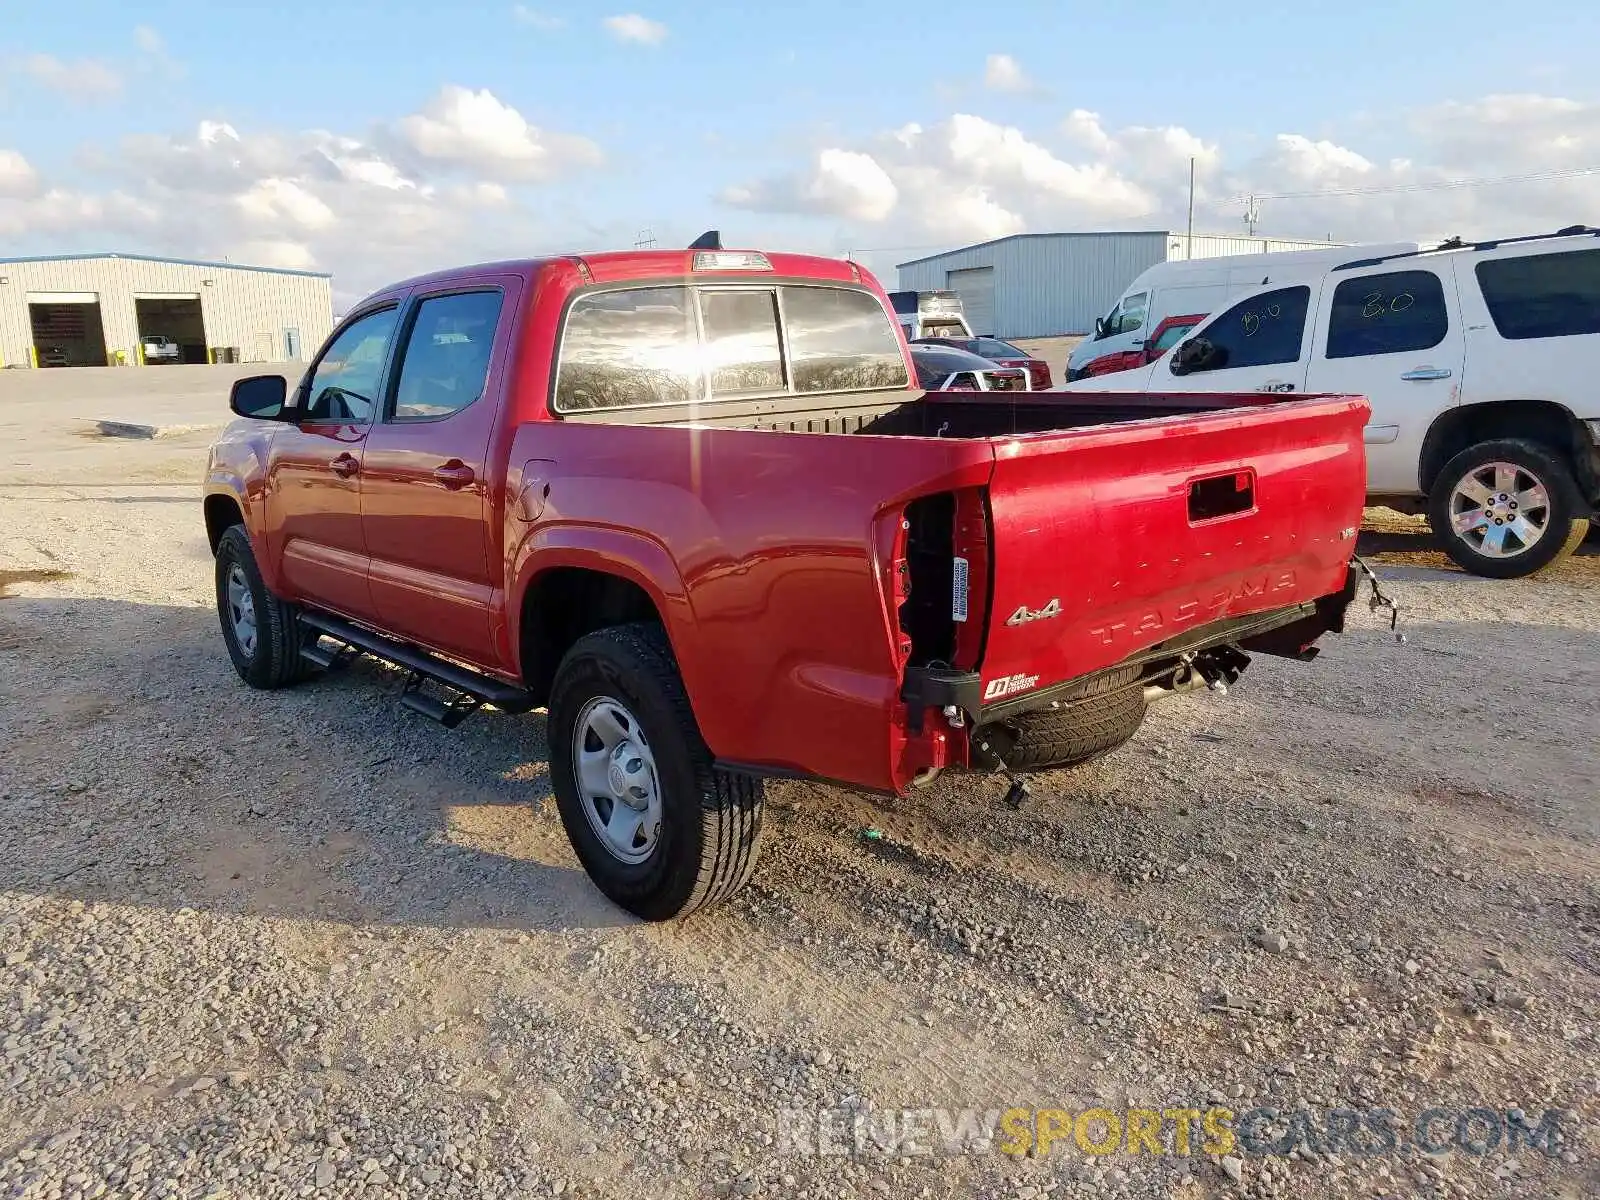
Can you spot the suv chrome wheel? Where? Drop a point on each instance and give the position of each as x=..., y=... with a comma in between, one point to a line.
x=615, y=773
x=1499, y=509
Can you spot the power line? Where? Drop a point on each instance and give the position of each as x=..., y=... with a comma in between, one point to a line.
x=1437, y=185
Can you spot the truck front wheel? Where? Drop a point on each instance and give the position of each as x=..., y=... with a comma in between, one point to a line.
x=1506, y=508
x=657, y=826
x=259, y=628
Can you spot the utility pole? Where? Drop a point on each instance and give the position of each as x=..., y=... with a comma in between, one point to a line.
x=1252, y=214
x=1188, y=244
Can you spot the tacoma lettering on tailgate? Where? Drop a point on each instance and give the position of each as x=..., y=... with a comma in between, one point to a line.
x=1188, y=611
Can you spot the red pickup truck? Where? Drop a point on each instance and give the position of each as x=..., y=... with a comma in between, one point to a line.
x=692, y=504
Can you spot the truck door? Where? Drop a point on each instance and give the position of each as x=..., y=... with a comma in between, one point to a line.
x=1260, y=344
x=1393, y=334
x=314, y=469
x=428, y=491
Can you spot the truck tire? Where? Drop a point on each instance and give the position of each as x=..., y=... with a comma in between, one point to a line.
x=657, y=826
x=1507, y=508
x=259, y=628
x=1110, y=711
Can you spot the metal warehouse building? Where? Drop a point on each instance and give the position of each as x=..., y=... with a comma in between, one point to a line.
x=117, y=309
x=1044, y=284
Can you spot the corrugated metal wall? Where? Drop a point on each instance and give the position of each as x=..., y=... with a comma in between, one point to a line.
x=1050, y=284
x=1214, y=245
x=246, y=308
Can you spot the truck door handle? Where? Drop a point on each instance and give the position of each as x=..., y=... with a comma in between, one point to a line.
x=345, y=465
x=1426, y=373
x=455, y=474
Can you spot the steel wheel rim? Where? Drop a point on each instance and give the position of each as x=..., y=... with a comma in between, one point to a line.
x=242, y=611
x=614, y=771
x=1500, y=509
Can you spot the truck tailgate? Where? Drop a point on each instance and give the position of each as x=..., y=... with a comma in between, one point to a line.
x=1110, y=539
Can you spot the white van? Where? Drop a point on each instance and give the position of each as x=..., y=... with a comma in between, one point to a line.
x=1192, y=287
x=1480, y=362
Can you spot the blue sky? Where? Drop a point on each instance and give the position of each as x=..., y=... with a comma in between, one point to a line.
x=825, y=126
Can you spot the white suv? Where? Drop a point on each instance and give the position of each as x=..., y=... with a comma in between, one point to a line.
x=1482, y=365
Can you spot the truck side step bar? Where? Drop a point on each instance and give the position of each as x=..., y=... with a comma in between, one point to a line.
x=467, y=689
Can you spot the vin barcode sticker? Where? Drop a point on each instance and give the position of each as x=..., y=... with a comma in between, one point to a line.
x=958, y=590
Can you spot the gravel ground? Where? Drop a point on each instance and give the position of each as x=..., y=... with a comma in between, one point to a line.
x=307, y=944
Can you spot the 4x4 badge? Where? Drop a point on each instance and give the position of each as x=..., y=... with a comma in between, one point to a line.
x=1025, y=614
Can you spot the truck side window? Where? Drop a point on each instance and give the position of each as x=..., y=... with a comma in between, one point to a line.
x=1126, y=315
x=627, y=349
x=742, y=351
x=1543, y=295
x=1387, y=314
x=446, y=361
x=344, y=383
x=841, y=340
x=1257, y=332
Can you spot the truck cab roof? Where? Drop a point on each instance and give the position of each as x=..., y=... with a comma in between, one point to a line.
x=622, y=266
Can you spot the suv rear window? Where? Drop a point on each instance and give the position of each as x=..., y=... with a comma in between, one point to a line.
x=642, y=347
x=1543, y=295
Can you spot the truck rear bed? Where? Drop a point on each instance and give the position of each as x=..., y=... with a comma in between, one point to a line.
x=1040, y=540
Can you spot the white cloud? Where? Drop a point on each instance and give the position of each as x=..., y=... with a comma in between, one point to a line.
x=1084, y=129
x=370, y=208
x=277, y=252
x=212, y=132
x=149, y=40
x=280, y=202
x=1002, y=73
x=479, y=132
x=1002, y=155
x=79, y=79
x=534, y=19
x=844, y=183
x=631, y=27
x=968, y=178
x=18, y=179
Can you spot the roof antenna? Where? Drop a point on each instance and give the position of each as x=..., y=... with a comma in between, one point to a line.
x=711, y=239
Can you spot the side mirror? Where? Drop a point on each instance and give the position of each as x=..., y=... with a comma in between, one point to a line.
x=1099, y=327
x=261, y=397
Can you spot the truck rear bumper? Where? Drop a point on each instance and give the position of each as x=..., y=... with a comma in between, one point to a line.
x=937, y=698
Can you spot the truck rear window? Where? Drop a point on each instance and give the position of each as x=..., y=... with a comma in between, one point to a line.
x=841, y=341
x=643, y=347
x=1543, y=295
x=624, y=349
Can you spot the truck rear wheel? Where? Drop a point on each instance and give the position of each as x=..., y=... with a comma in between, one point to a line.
x=259, y=628
x=1507, y=508
x=657, y=826
x=1106, y=712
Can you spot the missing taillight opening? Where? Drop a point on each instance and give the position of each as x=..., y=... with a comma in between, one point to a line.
x=927, y=615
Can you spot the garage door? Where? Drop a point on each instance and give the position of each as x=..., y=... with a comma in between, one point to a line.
x=976, y=289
